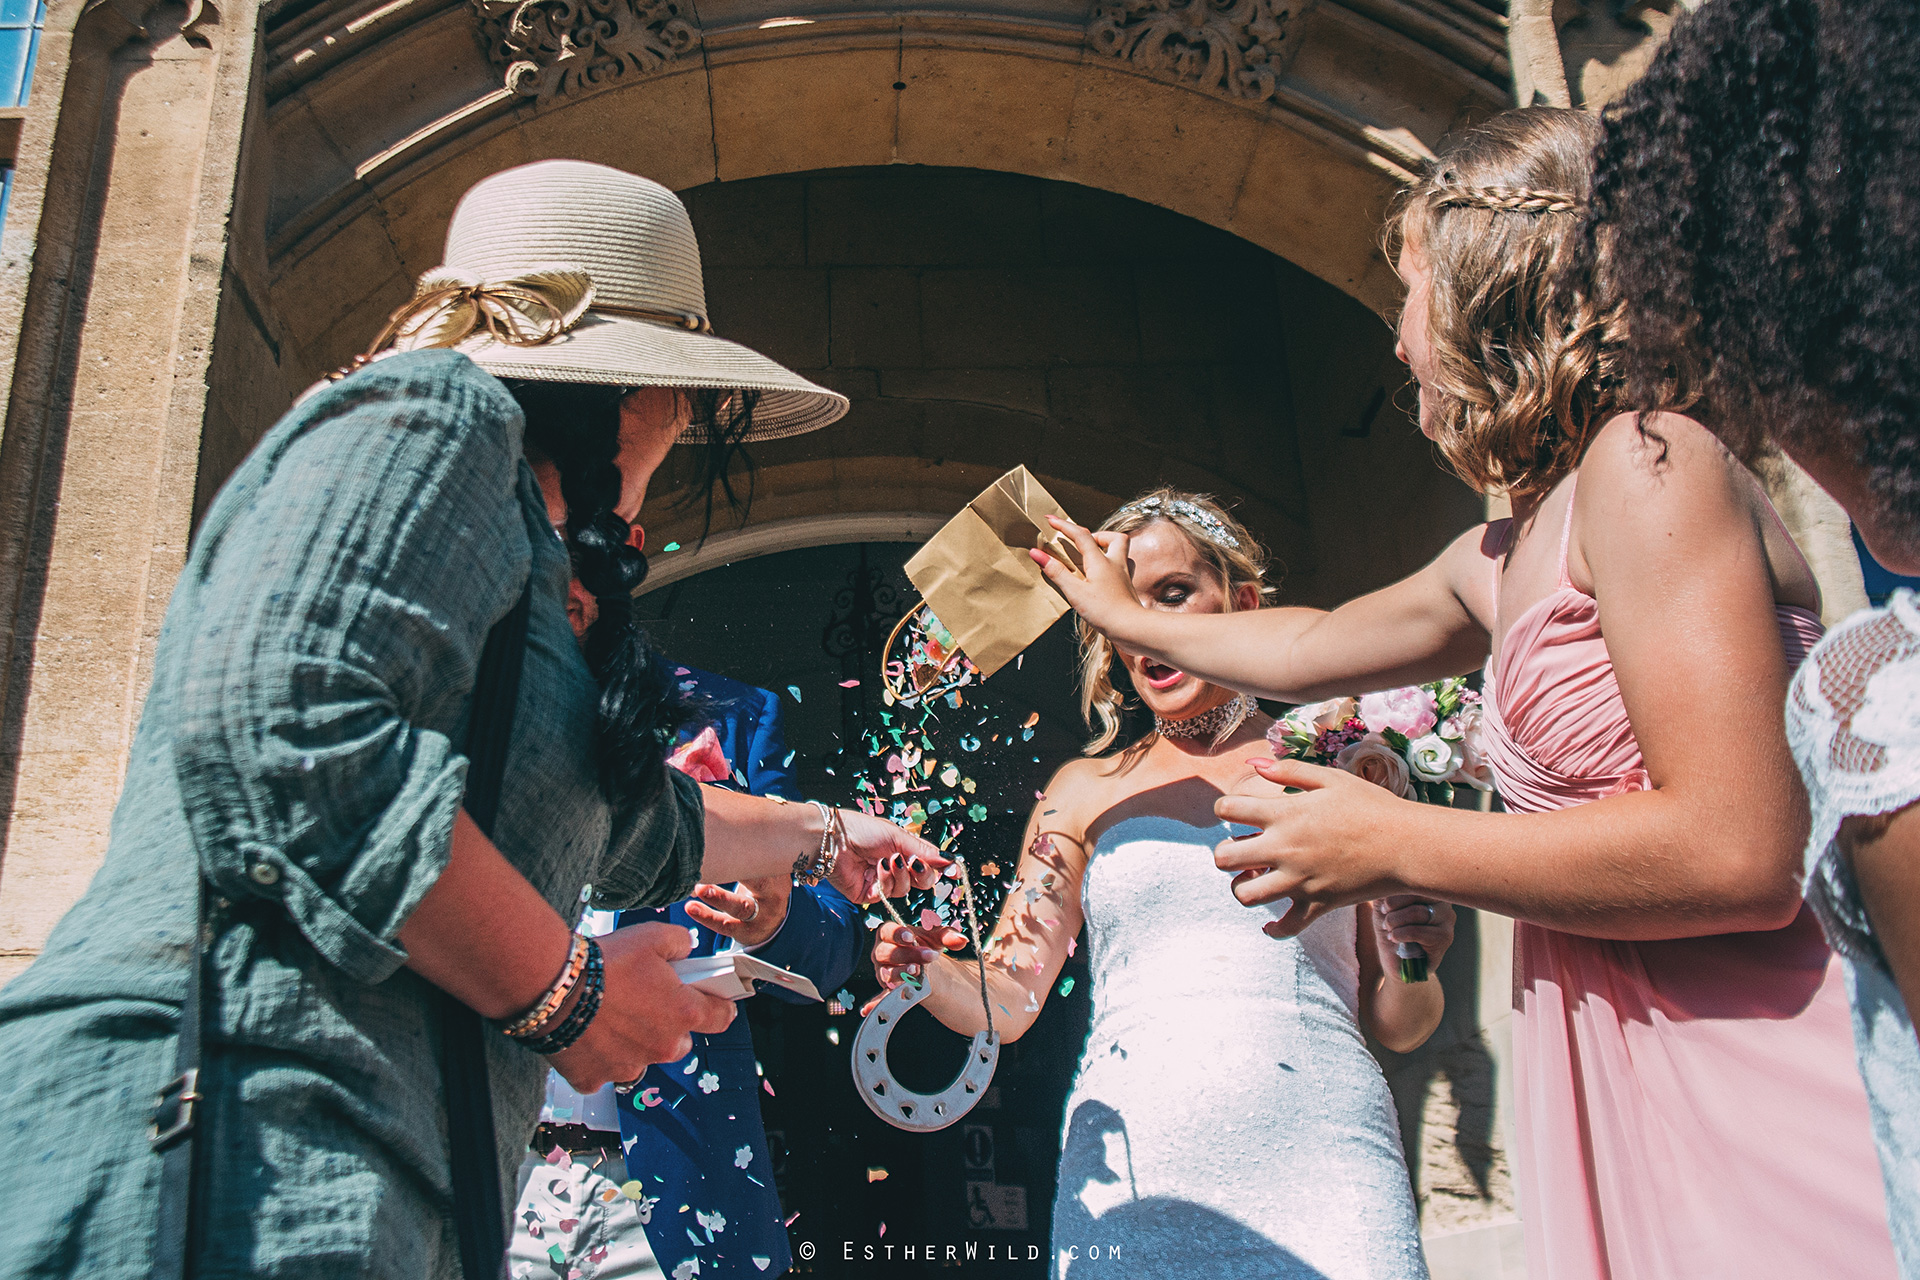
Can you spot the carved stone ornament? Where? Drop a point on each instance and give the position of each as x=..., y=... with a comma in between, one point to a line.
x=557, y=47
x=1230, y=47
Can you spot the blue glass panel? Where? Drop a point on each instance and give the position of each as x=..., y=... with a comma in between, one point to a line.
x=14, y=47
x=26, y=76
x=17, y=13
x=6, y=192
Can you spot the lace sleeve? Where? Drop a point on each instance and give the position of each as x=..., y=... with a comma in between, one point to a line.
x=1853, y=721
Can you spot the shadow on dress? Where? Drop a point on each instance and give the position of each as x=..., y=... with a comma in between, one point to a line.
x=1158, y=1236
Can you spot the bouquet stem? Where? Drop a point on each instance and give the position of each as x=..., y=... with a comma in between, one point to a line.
x=1413, y=961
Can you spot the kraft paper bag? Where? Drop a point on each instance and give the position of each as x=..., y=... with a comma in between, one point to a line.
x=979, y=580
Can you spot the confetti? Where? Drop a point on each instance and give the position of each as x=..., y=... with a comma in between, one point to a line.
x=883, y=1230
x=876, y=1173
x=849, y=684
x=1066, y=986
x=742, y=1157
x=633, y=1190
x=794, y=689
x=788, y=762
x=716, y=1222
x=688, y=1269
x=761, y=1262
x=671, y=546
x=1073, y=944
x=693, y=1065
x=833, y=1037
x=977, y=812
x=929, y=920
x=558, y=1156
x=709, y=1082
x=990, y=868
x=649, y=1097
x=1033, y=718
x=790, y=1219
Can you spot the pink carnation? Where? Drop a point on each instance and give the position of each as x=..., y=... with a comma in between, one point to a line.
x=701, y=758
x=1408, y=711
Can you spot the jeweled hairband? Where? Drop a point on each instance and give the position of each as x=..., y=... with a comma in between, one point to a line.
x=1209, y=523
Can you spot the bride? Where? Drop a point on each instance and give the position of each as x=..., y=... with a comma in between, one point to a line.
x=1226, y=1118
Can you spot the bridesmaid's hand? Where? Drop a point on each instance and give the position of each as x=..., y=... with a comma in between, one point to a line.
x=750, y=913
x=1104, y=595
x=1402, y=917
x=1339, y=841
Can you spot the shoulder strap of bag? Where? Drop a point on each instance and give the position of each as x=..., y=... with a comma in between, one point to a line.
x=479, y=1212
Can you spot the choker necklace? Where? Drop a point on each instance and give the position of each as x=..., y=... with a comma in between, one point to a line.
x=1216, y=725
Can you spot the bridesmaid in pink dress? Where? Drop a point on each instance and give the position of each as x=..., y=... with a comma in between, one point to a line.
x=1687, y=1103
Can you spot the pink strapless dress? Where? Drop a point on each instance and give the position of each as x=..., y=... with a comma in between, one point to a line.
x=1687, y=1108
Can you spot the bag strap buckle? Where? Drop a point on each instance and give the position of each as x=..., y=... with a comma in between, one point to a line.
x=180, y=1095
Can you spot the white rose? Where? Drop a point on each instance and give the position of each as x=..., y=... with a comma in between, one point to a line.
x=1331, y=714
x=1432, y=758
x=1372, y=759
x=1473, y=770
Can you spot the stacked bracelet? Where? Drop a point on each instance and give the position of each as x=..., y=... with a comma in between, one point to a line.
x=811, y=869
x=549, y=1004
x=574, y=1025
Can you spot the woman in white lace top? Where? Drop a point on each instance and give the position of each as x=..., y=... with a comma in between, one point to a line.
x=1761, y=190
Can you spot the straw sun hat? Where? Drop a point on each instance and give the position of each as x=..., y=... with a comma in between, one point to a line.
x=563, y=271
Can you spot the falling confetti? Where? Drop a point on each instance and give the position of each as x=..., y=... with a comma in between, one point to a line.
x=876, y=1173
x=849, y=684
x=649, y=1097
x=742, y=1157
x=709, y=1082
x=671, y=546
x=714, y=1222
x=794, y=689
x=833, y=1037
x=1066, y=986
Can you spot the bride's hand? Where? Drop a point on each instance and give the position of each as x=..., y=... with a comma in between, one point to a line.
x=1402, y=917
x=1103, y=595
x=1340, y=840
x=902, y=950
x=882, y=860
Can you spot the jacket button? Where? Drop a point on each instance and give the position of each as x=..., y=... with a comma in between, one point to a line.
x=264, y=873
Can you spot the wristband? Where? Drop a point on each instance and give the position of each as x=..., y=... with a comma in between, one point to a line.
x=574, y=1025
x=550, y=1003
x=811, y=869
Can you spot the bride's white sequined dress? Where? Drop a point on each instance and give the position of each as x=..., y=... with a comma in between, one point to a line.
x=1227, y=1120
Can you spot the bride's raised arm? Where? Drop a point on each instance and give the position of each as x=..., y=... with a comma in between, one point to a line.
x=1027, y=947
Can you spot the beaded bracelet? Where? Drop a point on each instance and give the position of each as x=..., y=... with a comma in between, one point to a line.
x=574, y=1025
x=811, y=869
x=550, y=1003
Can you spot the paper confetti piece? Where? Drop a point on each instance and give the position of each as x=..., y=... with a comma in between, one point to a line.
x=671, y=546
x=849, y=684
x=649, y=1097
x=876, y=1173
x=715, y=1222
x=989, y=868
x=977, y=812
x=761, y=1262
x=742, y=1157
x=693, y=1065
x=1066, y=986
x=709, y=1082
x=788, y=762
x=632, y=1189
x=929, y=920
x=794, y=689
x=833, y=1037
x=1033, y=718
x=558, y=1156
x=883, y=1231
x=688, y=1269
x=1073, y=944
x=790, y=1218
x=554, y=1252
x=950, y=776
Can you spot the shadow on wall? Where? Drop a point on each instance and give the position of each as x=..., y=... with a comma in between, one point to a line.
x=1453, y=1152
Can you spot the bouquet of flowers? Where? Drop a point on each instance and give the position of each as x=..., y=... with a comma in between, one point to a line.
x=1419, y=742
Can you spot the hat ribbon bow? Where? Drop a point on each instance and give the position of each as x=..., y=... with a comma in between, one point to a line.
x=449, y=306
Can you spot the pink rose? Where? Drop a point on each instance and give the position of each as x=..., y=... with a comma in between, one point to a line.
x=1474, y=771
x=1372, y=760
x=1408, y=711
x=701, y=758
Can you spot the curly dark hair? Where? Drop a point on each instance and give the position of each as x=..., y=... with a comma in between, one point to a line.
x=1757, y=196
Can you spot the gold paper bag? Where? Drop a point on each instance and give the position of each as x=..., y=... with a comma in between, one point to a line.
x=979, y=580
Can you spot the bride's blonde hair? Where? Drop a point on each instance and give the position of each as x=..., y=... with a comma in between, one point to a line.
x=1222, y=542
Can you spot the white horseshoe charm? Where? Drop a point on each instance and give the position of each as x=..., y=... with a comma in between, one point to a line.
x=902, y=1108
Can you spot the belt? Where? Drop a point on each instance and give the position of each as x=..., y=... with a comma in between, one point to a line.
x=572, y=1138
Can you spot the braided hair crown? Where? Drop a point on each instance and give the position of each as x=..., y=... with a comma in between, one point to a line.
x=1507, y=200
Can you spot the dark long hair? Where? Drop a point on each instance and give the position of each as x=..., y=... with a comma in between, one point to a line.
x=642, y=709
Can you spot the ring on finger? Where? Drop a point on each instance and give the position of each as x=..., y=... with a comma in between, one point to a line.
x=751, y=915
x=1433, y=913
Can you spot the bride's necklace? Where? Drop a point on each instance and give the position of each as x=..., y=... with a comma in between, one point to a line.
x=1213, y=726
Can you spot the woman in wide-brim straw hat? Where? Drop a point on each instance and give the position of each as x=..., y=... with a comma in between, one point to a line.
x=301, y=752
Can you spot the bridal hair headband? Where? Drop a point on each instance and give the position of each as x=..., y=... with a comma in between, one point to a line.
x=1208, y=523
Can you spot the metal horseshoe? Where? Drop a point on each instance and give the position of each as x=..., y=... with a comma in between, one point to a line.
x=902, y=1108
